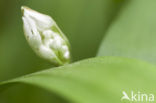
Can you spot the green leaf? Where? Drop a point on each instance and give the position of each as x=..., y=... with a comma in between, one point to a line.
x=97, y=80
x=133, y=32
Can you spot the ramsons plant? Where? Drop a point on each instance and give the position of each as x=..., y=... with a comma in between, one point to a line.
x=123, y=72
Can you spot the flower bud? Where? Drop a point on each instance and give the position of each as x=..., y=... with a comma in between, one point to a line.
x=45, y=37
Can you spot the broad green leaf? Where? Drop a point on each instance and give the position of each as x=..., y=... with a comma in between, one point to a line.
x=133, y=32
x=97, y=80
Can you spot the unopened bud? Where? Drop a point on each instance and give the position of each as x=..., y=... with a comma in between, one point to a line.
x=45, y=37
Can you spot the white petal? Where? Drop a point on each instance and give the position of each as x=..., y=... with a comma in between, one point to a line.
x=27, y=28
x=43, y=21
x=66, y=55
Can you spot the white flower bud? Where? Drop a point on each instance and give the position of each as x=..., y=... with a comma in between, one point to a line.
x=45, y=37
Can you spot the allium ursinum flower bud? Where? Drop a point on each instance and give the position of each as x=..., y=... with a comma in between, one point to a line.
x=45, y=37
